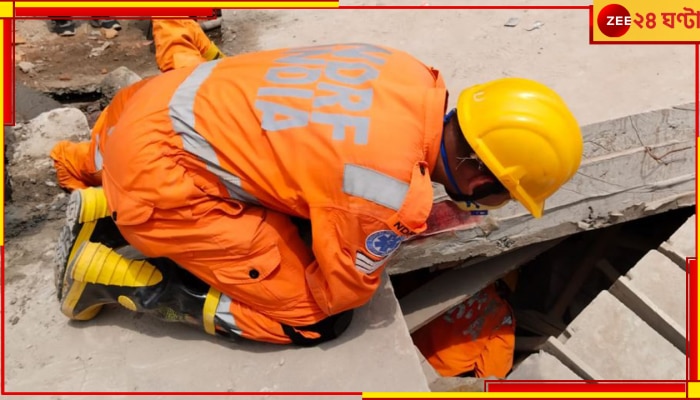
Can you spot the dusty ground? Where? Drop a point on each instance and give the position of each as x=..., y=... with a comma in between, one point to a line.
x=76, y=68
x=124, y=352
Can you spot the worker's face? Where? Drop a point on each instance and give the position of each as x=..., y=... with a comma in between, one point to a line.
x=476, y=183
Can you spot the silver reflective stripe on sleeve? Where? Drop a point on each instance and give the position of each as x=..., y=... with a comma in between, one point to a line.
x=223, y=312
x=181, y=111
x=98, y=159
x=374, y=186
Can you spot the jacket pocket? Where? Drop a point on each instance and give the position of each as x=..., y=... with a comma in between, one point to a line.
x=248, y=278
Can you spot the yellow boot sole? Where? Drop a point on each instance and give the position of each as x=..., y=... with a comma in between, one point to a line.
x=84, y=209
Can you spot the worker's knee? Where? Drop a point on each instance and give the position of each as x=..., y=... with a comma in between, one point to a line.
x=322, y=331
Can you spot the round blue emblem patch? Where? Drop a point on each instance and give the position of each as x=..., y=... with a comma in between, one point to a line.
x=382, y=243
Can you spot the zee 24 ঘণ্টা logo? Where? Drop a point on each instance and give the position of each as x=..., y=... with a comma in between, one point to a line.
x=615, y=20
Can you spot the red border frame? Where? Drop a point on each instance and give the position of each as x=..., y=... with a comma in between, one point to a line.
x=86, y=12
x=500, y=386
x=9, y=78
x=691, y=318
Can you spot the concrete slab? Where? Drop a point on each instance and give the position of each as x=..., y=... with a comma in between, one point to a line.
x=542, y=366
x=651, y=314
x=572, y=360
x=614, y=341
x=684, y=240
x=123, y=351
x=663, y=283
x=431, y=375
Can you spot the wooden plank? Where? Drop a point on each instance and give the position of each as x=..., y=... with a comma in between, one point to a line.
x=634, y=167
x=457, y=285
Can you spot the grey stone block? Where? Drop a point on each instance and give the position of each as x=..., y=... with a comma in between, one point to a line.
x=684, y=239
x=542, y=366
x=619, y=345
x=660, y=279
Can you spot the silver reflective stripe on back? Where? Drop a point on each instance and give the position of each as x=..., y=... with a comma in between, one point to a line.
x=223, y=312
x=374, y=186
x=181, y=111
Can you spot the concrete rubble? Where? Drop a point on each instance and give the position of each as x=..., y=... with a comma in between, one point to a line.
x=47, y=129
x=116, y=80
x=26, y=67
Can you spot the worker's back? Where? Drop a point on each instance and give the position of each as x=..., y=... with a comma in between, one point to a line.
x=288, y=129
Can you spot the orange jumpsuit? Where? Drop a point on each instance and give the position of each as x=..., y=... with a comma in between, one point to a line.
x=79, y=165
x=182, y=43
x=477, y=335
x=207, y=164
x=179, y=43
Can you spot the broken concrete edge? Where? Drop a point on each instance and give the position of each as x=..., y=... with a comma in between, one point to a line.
x=430, y=374
x=522, y=231
x=456, y=285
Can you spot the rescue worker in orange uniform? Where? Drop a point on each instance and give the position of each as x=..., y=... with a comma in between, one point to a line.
x=179, y=43
x=475, y=338
x=210, y=166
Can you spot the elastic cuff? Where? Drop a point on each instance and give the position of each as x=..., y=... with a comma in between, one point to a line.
x=213, y=53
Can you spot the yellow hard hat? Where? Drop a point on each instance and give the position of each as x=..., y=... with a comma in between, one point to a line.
x=525, y=135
